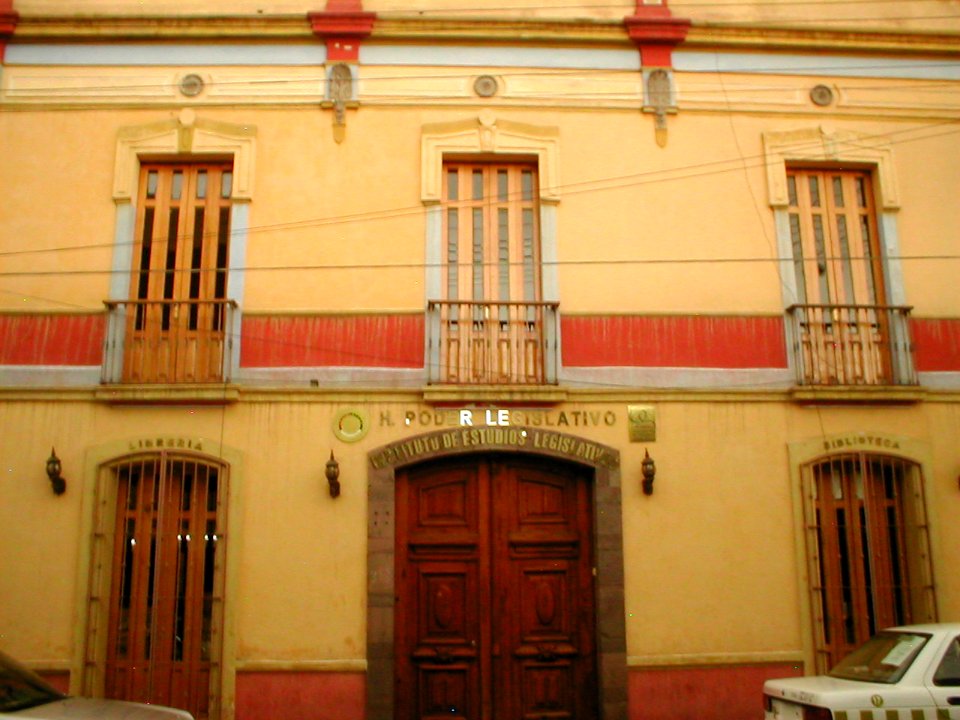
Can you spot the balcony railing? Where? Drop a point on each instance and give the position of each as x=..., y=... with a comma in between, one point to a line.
x=486, y=343
x=168, y=341
x=862, y=345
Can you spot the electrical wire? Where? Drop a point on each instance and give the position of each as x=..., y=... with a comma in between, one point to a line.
x=593, y=74
x=698, y=170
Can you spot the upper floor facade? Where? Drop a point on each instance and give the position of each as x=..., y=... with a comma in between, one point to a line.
x=519, y=200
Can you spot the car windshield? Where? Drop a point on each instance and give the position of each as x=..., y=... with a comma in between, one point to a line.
x=884, y=658
x=20, y=688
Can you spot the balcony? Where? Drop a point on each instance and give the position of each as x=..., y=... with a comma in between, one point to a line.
x=168, y=341
x=852, y=345
x=492, y=343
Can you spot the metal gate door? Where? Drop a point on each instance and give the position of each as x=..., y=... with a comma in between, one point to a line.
x=166, y=588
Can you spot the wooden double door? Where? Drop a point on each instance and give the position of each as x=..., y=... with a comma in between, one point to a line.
x=495, y=616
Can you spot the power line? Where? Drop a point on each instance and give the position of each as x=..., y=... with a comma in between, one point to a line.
x=593, y=73
x=703, y=169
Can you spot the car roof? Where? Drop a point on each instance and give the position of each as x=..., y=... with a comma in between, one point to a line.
x=936, y=628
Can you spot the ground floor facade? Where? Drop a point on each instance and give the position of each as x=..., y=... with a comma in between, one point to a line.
x=375, y=554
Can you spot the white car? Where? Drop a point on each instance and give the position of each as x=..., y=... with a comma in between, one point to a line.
x=23, y=694
x=904, y=673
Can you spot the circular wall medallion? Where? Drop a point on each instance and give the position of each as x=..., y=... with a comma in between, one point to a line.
x=821, y=95
x=191, y=85
x=351, y=425
x=486, y=86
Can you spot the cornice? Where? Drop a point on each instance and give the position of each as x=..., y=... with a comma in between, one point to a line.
x=240, y=393
x=165, y=28
x=745, y=37
x=399, y=29
x=506, y=31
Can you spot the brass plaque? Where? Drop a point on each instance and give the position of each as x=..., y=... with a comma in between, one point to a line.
x=351, y=424
x=642, y=423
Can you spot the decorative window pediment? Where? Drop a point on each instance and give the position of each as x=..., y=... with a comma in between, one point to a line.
x=819, y=145
x=184, y=135
x=485, y=134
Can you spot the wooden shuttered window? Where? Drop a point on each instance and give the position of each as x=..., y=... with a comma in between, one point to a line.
x=492, y=325
x=491, y=233
x=833, y=229
x=844, y=330
x=176, y=318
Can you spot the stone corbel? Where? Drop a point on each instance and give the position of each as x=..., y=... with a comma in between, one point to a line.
x=343, y=25
x=340, y=94
x=655, y=32
x=659, y=98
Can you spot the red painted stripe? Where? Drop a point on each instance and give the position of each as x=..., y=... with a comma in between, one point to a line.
x=697, y=341
x=937, y=343
x=51, y=339
x=300, y=696
x=332, y=341
x=705, y=693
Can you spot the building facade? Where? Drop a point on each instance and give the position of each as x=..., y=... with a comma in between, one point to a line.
x=369, y=361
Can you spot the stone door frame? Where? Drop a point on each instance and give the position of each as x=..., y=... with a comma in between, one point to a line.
x=601, y=460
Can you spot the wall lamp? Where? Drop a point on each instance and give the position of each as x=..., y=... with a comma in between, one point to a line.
x=332, y=472
x=54, y=470
x=649, y=469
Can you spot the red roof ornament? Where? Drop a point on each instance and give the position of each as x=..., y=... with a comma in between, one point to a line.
x=343, y=25
x=655, y=32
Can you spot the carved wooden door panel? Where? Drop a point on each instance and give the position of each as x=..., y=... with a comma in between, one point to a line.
x=495, y=605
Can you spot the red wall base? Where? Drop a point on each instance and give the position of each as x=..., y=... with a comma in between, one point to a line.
x=705, y=693
x=300, y=696
x=731, y=692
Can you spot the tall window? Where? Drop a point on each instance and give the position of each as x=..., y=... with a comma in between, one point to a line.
x=844, y=330
x=491, y=235
x=176, y=318
x=834, y=234
x=868, y=549
x=492, y=314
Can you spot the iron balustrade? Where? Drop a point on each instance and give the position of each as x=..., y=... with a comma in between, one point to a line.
x=862, y=345
x=168, y=341
x=473, y=342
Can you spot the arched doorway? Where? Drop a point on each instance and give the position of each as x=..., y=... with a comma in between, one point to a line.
x=868, y=548
x=498, y=559
x=495, y=614
x=160, y=538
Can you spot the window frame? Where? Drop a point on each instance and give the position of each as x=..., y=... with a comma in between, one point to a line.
x=816, y=147
x=184, y=137
x=925, y=552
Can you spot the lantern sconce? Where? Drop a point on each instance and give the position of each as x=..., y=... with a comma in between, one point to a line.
x=332, y=472
x=649, y=470
x=54, y=470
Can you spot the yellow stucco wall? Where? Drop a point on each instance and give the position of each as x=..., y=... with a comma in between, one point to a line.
x=686, y=228
x=668, y=215
x=712, y=549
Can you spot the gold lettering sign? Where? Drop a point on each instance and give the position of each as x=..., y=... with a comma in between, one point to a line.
x=475, y=417
x=167, y=443
x=860, y=440
x=493, y=438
